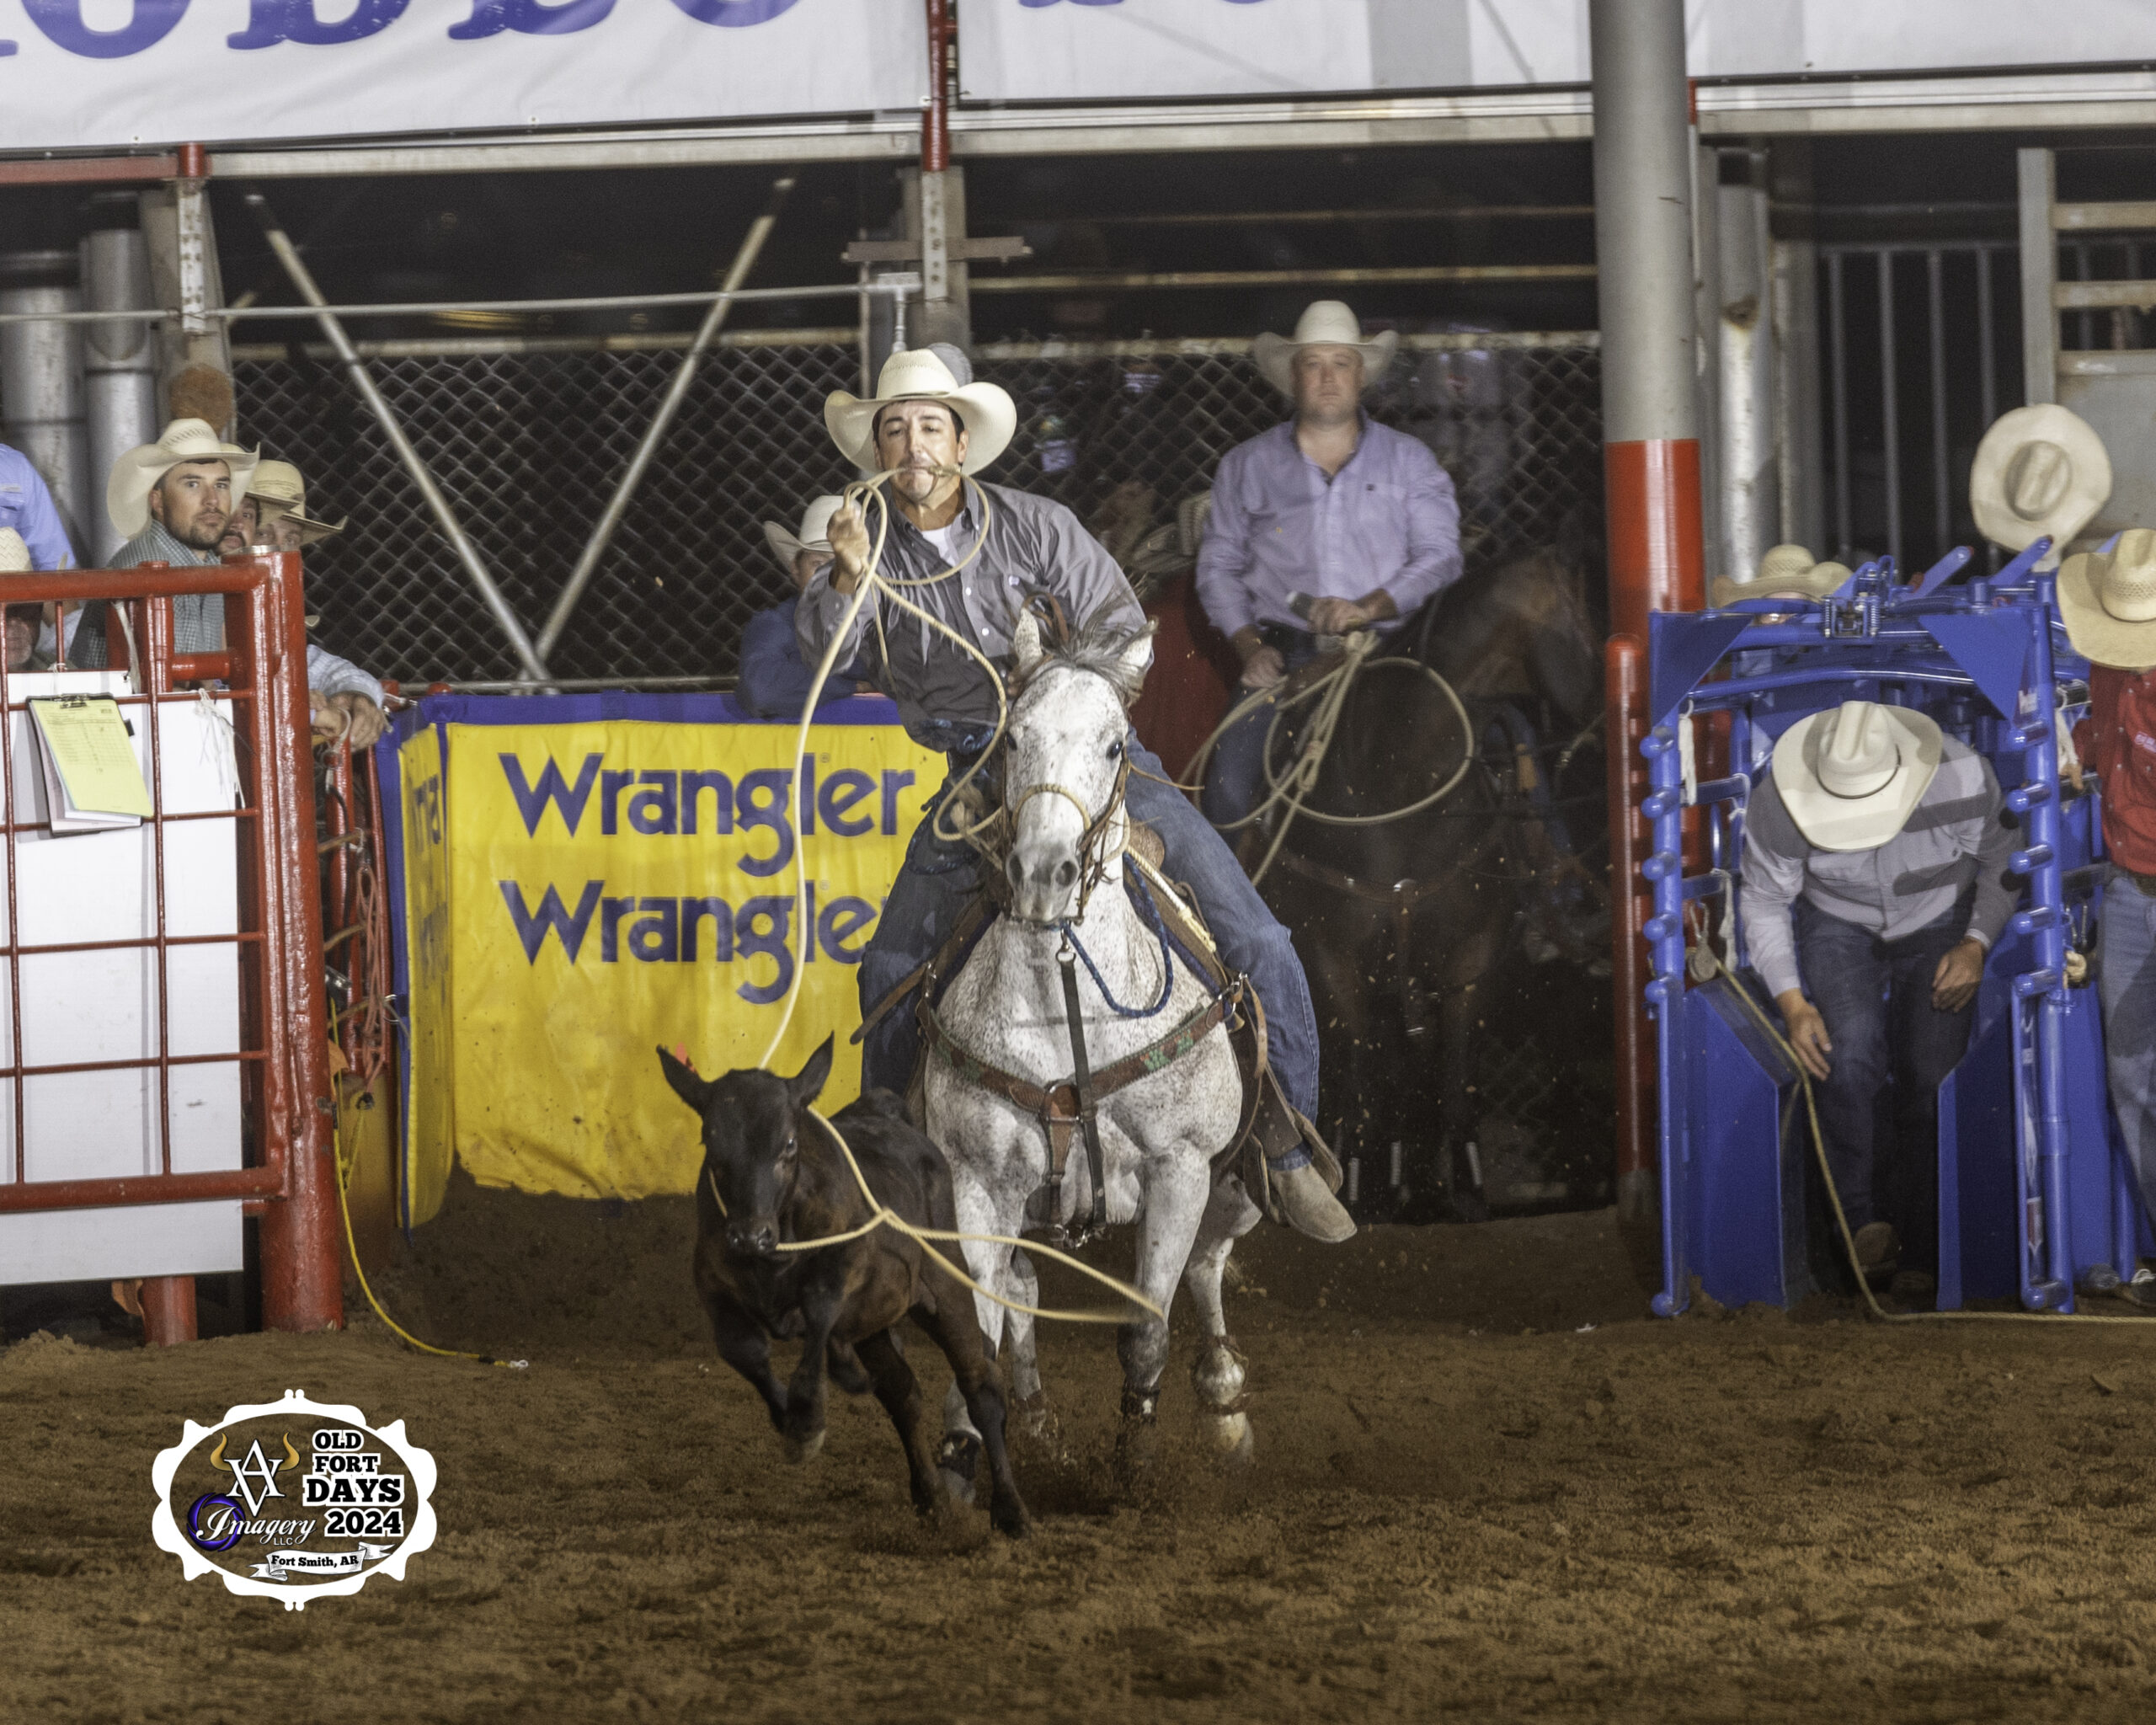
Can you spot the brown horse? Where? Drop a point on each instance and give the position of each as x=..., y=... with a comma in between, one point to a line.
x=1403, y=926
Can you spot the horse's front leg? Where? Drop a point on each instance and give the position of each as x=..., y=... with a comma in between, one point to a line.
x=1466, y=989
x=1217, y=1373
x=992, y=1204
x=1174, y=1188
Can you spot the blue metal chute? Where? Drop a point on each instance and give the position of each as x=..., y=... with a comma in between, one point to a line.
x=2032, y=1199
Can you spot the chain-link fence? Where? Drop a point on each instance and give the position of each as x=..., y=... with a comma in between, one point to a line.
x=529, y=448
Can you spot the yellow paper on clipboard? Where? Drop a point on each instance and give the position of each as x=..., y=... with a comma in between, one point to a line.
x=87, y=743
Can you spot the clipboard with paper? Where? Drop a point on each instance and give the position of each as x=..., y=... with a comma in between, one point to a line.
x=92, y=776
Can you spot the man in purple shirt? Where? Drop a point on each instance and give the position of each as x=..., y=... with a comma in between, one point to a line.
x=1324, y=525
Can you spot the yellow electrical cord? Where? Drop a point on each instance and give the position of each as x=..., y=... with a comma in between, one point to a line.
x=344, y=1210
x=1841, y=1217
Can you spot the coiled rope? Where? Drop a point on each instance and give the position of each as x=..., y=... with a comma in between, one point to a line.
x=1291, y=791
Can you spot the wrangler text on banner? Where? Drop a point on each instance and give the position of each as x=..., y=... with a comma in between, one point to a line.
x=618, y=883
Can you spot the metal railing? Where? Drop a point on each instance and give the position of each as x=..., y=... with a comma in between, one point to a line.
x=529, y=445
x=276, y=936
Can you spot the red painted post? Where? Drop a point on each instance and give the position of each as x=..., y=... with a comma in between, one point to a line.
x=1650, y=413
x=168, y=1310
x=936, y=121
x=302, y=1248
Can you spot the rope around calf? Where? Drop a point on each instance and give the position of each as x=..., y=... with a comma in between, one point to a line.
x=1292, y=791
x=886, y=1217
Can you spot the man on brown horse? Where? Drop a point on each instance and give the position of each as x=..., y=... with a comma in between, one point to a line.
x=1326, y=524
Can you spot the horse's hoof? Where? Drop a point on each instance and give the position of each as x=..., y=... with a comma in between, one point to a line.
x=801, y=1449
x=1232, y=1438
x=1009, y=1518
x=959, y=1460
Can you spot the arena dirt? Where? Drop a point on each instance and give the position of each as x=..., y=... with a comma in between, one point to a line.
x=1487, y=1488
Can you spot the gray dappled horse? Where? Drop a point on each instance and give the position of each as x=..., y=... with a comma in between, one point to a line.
x=1062, y=772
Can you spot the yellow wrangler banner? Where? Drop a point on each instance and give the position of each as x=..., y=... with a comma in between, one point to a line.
x=618, y=883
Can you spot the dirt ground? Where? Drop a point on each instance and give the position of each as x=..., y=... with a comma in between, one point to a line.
x=1487, y=1488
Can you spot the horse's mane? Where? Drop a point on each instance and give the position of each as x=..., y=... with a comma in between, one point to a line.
x=1097, y=645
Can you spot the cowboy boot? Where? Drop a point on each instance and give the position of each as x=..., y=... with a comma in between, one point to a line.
x=1301, y=1173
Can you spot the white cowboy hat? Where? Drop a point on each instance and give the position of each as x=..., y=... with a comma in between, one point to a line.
x=917, y=374
x=127, y=492
x=2039, y=471
x=1785, y=572
x=2109, y=603
x=1324, y=323
x=814, y=535
x=1851, y=775
x=14, y=553
x=280, y=495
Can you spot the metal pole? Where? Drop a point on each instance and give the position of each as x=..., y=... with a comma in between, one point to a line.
x=662, y=422
x=121, y=364
x=1650, y=415
x=1890, y=407
x=1839, y=362
x=2037, y=181
x=1943, y=504
x=445, y=517
x=1986, y=368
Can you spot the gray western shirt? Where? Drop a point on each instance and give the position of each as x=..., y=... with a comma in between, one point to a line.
x=198, y=620
x=1953, y=837
x=1034, y=545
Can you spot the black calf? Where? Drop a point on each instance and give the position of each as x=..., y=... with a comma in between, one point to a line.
x=771, y=1174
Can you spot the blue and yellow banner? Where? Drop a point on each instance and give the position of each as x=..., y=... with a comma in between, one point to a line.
x=620, y=874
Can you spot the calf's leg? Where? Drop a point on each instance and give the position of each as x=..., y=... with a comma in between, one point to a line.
x=742, y=1345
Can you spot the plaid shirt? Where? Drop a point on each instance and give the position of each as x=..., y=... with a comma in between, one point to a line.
x=198, y=620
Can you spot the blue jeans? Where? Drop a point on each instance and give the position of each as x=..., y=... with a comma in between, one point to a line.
x=1235, y=775
x=2125, y=980
x=933, y=889
x=1876, y=997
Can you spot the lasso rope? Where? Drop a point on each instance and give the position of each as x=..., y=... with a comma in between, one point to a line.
x=885, y=1217
x=1292, y=791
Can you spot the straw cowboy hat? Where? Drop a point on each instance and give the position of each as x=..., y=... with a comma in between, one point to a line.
x=814, y=535
x=280, y=495
x=1851, y=775
x=14, y=554
x=127, y=492
x=2039, y=471
x=1787, y=572
x=1324, y=323
x=2109, y=603
x=919, y=374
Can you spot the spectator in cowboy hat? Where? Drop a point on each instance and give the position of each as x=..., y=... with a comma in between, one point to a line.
x=2040, y=473
x=171, y=499
x=775, y=679
x=344, y=700
x=927, y=429
x=1873, y=885
x=1328, y=523
x=2108, y=603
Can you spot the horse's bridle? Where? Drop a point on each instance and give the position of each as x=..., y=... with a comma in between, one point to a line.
x=1094, y=855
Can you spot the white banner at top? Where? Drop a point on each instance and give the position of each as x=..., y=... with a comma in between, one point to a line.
x=1019, y=50
x=104, y=73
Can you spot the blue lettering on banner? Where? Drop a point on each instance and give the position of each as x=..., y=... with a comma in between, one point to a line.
x=735, y=14
x=61, y=21
x=776, y=783
x=530, y=18
x=667, y=931
x=568, y=927
x=531, y=803
x=270, y=21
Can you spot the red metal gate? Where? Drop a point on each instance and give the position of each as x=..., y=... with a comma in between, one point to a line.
x=289, y=1176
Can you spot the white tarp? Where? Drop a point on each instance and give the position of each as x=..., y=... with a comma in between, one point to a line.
x=1075, y=50
x=91, y=73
